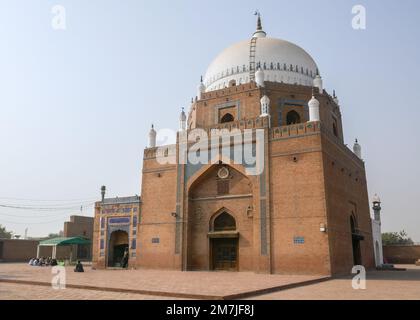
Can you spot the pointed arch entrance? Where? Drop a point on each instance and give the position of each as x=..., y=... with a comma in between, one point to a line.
x=118, y=244
x=220, y=224
x=224, y=242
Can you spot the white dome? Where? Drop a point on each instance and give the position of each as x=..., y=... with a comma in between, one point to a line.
x=281, y=61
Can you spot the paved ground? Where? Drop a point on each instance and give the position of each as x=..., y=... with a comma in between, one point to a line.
x=194, y=284
x=12, y=291
x=380, y=284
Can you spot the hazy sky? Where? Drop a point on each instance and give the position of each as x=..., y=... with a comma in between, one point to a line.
x=76, y=105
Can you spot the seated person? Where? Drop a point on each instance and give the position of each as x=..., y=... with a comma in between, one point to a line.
x=53, y=262
x=31, y=262
x=79, y=267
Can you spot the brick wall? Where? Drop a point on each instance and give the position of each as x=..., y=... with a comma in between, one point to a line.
x=17, y=250
x=401, y=254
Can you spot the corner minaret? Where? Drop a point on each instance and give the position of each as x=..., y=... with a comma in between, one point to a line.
x=182, y=120
x=201, y=89
x=318, y=82
x=313, y=105
x=357, y=149
x=376, y=208
x=152, y=137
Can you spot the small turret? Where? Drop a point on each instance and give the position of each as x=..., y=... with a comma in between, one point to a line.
x=313, y=105
x=201, y=89
x=182, y=120
x=318, y=82
x=265, y=106
x=357, y=149
x=152, y=137
x=259, y=77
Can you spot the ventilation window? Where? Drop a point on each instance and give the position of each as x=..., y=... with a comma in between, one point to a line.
x=292, y=117
x=227, y=118
x=224, y=222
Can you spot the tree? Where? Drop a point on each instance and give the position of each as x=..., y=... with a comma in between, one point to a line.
x=4, y=234
x=392, y=238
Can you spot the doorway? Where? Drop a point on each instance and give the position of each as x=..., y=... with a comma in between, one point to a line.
x=224, y=247
x=356, y=237
x=225, y=254
x=118, y=243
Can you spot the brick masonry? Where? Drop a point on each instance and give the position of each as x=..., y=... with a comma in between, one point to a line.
x=310, y=179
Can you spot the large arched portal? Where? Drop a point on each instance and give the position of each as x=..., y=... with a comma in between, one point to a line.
x=118, y=244
x=224, y=244
x=220, y=219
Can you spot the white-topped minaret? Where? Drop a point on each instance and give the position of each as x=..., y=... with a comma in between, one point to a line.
x=259, y=77
x=313, y=105
x=318, y=82
x=377, y=231
x=152, y=137
x=201, y=89
x=265, y=106
x=182, y=120
x=376, y=201
x=357, y=149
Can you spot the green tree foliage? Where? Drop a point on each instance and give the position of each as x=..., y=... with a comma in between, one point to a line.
x=390, y=238
x=4, y=234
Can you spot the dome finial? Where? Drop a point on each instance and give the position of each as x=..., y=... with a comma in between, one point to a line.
x=259, y=33
x=259, y=26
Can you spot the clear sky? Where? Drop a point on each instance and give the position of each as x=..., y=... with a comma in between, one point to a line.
x=76, y=105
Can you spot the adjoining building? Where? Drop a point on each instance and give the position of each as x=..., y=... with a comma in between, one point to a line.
x=306, y=211
x=77, y=227
x=115, y=230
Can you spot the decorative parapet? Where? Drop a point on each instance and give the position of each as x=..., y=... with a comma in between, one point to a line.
x=229, y=90
x=161, y=151
x=257, y=123
x=294, y=130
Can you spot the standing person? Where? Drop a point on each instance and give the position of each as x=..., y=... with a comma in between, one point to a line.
x=124, y=261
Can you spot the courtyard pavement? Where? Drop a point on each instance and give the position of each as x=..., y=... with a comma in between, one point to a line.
x=380, y=285
x=192, y=284
x=19, y=281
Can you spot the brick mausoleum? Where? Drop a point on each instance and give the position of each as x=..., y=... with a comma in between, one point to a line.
x=306, y=212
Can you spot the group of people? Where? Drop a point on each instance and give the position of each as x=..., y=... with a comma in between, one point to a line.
x=39, y=262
